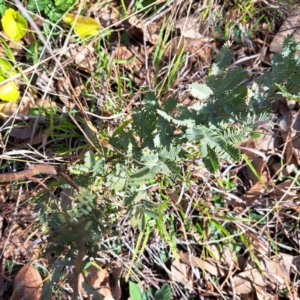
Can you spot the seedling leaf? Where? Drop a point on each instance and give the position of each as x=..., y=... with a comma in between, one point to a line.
x=84, y=26
x=9, y=92
x=14, y=25
x=200, y=91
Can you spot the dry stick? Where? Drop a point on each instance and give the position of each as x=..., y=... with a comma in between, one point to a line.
x=78, y=267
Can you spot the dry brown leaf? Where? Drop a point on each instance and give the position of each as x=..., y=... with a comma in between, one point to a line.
x=211, y=266
x=64, y=91
x=249, y=144
x=45, y=102
x=107, y=15
x=258, y=164
x=289, y=27
x=33, y=252
x=277, y=167
x=250, y=296
x=151, y=30
x=224, y=256
x=281, y=188
x=247, y=281
x=179, y=271
x=289, y=124
x=296, y=263
x=15, y=47
x=276, y=272
x=261, y=294
x=23, y=108
x=21, y=132
x=260, y=245
x=96, y=277
x=29, y=38
x=191, y=28
x=255, y=193
x=37, y=139
x=195, y=48
x=45, y=83
x=115, y=284
x=27, y=284
x=285, y=122
x=135, y=64
x=84, y=58
x=266, y=140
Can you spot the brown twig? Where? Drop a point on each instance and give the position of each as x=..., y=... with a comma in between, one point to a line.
x=29, y=173
x=78, y=267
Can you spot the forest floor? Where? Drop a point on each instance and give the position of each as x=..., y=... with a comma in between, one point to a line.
x=91, y=204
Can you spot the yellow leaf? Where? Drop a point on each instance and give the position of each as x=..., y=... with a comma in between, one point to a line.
x=14, y=25
x=6, y=69
x=84, y=26
x=9, y=92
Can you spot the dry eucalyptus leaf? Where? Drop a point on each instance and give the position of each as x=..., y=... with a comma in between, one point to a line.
x=21, y=132
x=260, y=245
x=258, y=164
x=282, y=188
x=179, y=273
x=255, y=193
x=134, y=62
x=27, y=284
x=209, y=265
x=192, y=28
x=22, y=108
x=289, y=27
x=277, y=273
x=247, y=281
x=84, y=57
x=96, y=277
x=15, y=47
x=115, y=284
x=195, y=47
x=45, y=83
x=151, y=30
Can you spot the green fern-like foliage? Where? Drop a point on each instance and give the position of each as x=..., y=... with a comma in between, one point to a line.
x=228, y=110
x=226, y=113
x=285, y=70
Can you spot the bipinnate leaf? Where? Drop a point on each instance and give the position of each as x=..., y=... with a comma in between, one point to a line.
x=89, y=160
x=224, y=57
x=14, y=25
x=83, y=26
x=211, y=161
x=200, y=91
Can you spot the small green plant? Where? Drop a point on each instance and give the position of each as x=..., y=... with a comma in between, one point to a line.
x=165, y=293
x=151, y=149
x=52, y=9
